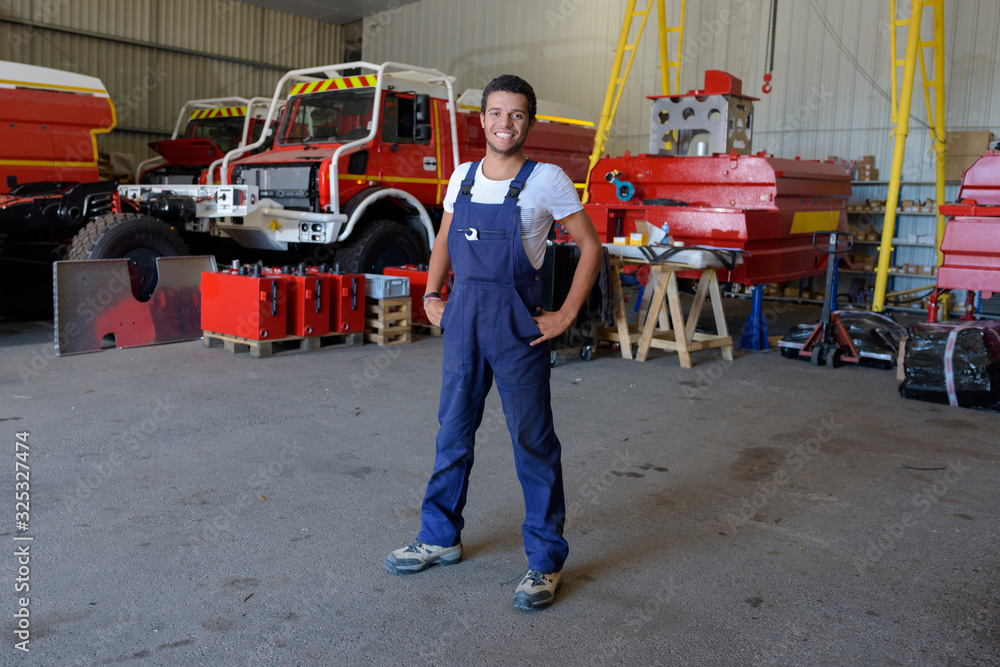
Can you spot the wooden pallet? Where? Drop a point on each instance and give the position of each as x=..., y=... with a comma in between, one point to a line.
x=288, y=344
x=388, y=321
x=427, y=329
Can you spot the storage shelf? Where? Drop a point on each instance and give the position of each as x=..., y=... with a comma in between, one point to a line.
x=902, y=183
x=897, y=243
x=898, y=213
x=894, y=274
x=819, y=302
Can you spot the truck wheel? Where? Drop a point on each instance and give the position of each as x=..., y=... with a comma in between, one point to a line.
x=137, y=238
x=381, y=243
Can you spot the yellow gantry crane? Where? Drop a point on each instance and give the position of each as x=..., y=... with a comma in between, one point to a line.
x=616, y=84
x=901, y=103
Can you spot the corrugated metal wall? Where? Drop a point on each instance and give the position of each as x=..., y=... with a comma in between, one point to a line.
x=154, y=55
x=831, y=71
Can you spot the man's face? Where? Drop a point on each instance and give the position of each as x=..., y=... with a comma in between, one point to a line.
x=506, y=122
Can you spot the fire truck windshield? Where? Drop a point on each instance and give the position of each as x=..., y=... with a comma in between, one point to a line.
x=225, y=132
x=331, y=116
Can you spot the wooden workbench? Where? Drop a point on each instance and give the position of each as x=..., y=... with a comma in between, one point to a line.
x=665, y=317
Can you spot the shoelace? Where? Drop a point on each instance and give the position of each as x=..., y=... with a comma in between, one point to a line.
x=537, y=578
x=415, y=546
x=504, y=583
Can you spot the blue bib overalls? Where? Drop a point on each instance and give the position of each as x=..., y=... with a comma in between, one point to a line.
x=488, y=327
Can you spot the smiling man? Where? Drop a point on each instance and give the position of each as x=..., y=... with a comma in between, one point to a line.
x=498, y=213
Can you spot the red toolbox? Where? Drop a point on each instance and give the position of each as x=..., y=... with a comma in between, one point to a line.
x=247, y=303
x=349, y=302
x=347, y=299
x=308, y=293
x=418, y=285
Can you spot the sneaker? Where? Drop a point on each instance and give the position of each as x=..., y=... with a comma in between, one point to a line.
x=537, y=590
x=418, y=556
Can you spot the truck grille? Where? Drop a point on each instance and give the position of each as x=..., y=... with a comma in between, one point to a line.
x=291, y=186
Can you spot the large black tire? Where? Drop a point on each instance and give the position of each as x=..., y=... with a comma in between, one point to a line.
x=132, y=236
x=379, y=244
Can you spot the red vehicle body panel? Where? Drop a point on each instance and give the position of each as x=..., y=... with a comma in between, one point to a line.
x=766, y=206
x=971, y=243
x=49, y=136
x=187, y=151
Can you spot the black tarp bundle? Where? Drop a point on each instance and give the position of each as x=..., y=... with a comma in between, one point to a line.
x=956, y=364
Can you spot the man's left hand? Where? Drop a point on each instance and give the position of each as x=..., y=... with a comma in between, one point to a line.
x=551, y=324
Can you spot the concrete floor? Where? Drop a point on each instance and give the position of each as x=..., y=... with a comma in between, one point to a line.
x=190, y=506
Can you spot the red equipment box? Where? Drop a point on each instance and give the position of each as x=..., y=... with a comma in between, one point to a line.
x=347, y=299
x=245, y=305
x=309, y=312
x=348, y=302
x=418, y=285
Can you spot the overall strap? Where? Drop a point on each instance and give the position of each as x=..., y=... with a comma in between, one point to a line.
x=469, y=181
x=517, y=184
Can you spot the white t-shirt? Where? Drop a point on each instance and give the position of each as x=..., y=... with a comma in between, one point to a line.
x=548, y=195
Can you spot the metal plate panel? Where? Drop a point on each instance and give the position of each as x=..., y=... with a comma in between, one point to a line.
x=93, y=299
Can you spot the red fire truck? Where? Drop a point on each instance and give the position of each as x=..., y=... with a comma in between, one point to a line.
x=49, y=188
x=359, y=167
x=205, y=131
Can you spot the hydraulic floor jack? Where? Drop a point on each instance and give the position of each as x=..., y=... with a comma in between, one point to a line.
x=830, y=341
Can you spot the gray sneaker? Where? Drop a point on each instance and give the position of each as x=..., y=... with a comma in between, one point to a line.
x=537, y=590
x=418, y=556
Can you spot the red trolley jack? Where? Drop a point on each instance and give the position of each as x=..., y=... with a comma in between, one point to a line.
x=830, y=341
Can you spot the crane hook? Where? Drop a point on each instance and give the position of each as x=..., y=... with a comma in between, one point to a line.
x=766, y=88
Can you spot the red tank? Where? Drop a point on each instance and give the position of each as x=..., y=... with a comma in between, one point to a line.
x=702, y=185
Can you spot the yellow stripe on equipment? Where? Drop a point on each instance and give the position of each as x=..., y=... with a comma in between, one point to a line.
x=807, y=222
x=307, y=87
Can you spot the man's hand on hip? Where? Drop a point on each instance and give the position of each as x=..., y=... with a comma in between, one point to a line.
x=551, y=324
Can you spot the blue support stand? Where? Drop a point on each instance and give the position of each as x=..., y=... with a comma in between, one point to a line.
x=755, y=330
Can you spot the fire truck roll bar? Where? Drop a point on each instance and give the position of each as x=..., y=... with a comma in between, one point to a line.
x=183, y=116
x=252, y=103
x=330, y=71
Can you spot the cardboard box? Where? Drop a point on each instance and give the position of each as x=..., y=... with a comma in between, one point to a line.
x=638, y=239
x=961, y=149
x=620, y=240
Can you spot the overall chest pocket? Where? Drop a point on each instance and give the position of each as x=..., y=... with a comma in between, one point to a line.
x=482, y=254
